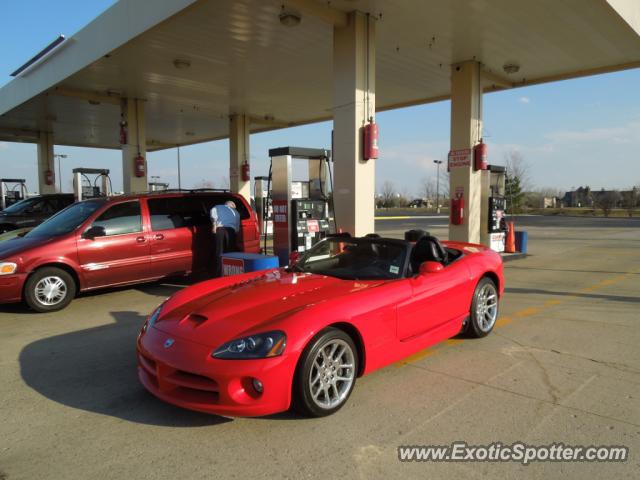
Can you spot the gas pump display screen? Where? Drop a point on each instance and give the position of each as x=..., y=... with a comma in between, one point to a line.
x=314, y=210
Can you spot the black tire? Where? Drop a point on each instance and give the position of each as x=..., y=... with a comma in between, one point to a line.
x=33, y=300
x=303, y=398
x=477, y=325
x=6, y=228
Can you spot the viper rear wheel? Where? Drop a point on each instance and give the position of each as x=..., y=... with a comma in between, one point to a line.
x=484, y=309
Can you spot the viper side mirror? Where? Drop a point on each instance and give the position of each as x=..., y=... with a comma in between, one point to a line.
x=430, y=267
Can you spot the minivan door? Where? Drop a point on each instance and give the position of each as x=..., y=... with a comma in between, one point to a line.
x=181, y=240
x=122, y=254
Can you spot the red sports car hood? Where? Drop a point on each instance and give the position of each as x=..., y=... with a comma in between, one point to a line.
x=229, y=312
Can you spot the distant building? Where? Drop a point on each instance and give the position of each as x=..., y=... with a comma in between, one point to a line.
x=585, y=197
x=582, y=197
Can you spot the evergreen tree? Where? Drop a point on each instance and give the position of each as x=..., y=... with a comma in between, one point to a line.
x=514, y=194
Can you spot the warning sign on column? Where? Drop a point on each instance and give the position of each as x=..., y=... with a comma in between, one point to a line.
x=460, y=158
x=280, y=213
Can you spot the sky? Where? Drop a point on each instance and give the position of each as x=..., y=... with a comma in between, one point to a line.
x=577, y=132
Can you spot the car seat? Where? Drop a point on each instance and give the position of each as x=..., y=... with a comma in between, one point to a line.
x=415, y=235
x=427, y=249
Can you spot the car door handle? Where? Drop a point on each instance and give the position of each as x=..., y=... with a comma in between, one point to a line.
x=159, y=236
x=141, y=239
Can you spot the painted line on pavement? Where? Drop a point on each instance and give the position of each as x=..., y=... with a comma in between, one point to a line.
x=507, y=319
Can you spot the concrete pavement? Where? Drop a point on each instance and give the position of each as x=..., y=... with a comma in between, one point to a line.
x=563, y=365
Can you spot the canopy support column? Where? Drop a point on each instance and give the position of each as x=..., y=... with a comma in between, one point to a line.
x=354, y=105
x=239, y=138
x=134, y=169
x=466, y=131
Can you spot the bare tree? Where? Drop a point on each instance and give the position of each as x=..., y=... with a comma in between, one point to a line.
x=388, y=194
x=549, y=192
x=205, y=184
x=536, y=198
x=444, y=183
x=607, y=200
x=427, y=188
x=517, y=167
x=631, y=200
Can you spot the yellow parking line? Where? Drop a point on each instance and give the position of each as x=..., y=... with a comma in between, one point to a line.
x=502, y=321
x=524, y=313
x=527, y=312
x=427, y=352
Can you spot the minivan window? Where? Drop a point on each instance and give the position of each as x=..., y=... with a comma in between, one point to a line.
x=66, y=220
x=211, y=201
x=43, y=206
x=120, y=219
x=21, y=206
x=176, y=212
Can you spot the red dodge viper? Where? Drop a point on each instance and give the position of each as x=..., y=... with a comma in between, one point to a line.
x=259, y=343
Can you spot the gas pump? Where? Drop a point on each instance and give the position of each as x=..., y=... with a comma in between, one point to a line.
x=300, y=208
x=493, y=205
x=89, y=189
x=158, y=186
x=261, y=191
x=12, y=190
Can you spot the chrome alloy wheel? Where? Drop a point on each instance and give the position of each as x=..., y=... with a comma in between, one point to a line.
x=50, y=290
x=487, y=307
x=332, y=374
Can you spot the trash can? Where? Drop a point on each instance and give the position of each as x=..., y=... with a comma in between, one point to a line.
x=234, y=263
x=521, y=242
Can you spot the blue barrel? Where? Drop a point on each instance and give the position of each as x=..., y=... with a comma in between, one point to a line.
x=521, y=241
x=234, y=263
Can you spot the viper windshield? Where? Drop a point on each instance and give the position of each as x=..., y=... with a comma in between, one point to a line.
x=66, y=220
x=355, y=258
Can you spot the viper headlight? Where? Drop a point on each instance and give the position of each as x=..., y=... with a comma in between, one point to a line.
x=7, y=268
x=262, y=345
x=152, y=318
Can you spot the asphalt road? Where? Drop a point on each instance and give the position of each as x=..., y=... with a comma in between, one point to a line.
x=437, y=224
x=562, y=365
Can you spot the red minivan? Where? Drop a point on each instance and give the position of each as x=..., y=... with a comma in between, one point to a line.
x=114, y=241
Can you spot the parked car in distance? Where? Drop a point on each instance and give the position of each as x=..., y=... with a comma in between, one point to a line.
x=256, y=344
x=33, y=211
x=113, y=241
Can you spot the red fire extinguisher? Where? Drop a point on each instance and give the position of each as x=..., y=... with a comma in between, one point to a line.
x=48, y=177
x=123, y=133
x=371, y=133
x=245, y=172
x=139, y=167
x=480, y=156
x=457, y=210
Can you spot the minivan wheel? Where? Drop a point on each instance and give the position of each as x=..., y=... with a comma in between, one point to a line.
x=49, y=289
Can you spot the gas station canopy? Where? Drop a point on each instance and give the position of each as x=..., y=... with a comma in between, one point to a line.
x=195, y=62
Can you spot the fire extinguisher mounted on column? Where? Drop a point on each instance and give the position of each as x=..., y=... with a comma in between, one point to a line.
x=123, y=132
x=371, y=134
x=457, y=210
x=480, y=156
x=48, y=177
x=139, y=163
x=245, y=172
x=139, y=166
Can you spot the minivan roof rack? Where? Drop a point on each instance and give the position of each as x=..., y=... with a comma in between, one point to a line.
x=187, y=190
